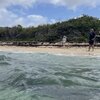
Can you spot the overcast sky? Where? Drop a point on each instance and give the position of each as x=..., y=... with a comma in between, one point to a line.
x=38, y=12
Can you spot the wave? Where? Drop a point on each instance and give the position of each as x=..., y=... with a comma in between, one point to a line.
x=37, y=76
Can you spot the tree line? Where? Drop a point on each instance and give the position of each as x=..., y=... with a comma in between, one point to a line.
x=76, y=30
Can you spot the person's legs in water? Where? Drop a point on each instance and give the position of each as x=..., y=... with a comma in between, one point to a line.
x=91, y=45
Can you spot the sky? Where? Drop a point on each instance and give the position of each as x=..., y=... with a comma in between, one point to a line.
x=39, y=12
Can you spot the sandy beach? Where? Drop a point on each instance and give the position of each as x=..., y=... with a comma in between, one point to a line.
x=54, y=50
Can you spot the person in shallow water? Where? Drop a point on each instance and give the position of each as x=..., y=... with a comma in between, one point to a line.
x=91, y=39
x=64, y=40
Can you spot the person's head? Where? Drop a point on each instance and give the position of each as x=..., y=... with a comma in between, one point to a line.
x=92, y=30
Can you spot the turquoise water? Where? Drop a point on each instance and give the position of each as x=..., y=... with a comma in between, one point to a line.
x=40, y=76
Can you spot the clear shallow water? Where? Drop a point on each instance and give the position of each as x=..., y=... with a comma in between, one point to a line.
x=39, y=76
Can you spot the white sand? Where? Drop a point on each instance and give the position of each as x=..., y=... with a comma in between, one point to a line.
x=66, y=51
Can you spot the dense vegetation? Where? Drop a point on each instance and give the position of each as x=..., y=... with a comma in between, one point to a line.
x=76, y=30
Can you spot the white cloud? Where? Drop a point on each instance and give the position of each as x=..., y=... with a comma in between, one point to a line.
x=31, y=20
x=72, y=4
x=24, y=3
x=7, y=18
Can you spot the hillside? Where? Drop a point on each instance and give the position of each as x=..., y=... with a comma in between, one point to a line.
x=75, y=29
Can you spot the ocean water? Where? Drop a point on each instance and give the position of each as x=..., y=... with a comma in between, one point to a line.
x=41, y=76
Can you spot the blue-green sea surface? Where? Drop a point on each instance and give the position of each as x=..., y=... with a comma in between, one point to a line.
x=41, y=76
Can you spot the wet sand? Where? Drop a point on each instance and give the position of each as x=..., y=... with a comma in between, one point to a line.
x=55, y=50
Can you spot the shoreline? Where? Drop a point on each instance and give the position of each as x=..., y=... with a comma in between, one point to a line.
x=70, y=51
x=47, y=44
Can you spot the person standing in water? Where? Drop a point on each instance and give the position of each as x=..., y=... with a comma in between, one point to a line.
x=64, y=40
x=91, y=39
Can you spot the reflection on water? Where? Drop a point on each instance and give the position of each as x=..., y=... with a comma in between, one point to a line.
x=27, y=76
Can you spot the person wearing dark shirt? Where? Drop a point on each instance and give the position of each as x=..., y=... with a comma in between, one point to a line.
x=91, y=39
